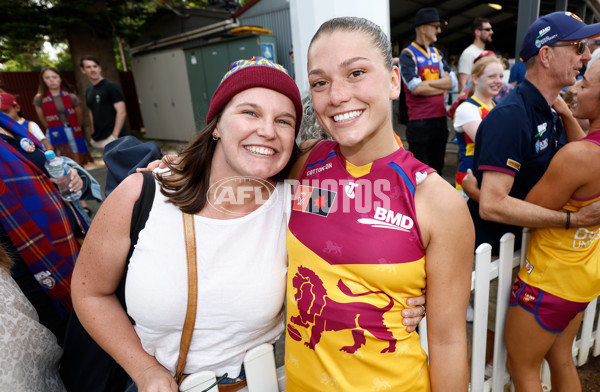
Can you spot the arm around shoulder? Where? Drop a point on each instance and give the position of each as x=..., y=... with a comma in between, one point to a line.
x=572, y=169
x=495, y=204
x=449, y=238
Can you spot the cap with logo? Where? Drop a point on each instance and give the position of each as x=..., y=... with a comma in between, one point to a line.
x=557, y=26
x=426, y=15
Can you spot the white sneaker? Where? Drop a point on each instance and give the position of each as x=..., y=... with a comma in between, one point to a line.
x=470, y=313
x=489, y=371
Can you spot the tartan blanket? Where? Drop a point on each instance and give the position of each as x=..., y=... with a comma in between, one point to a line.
x=34, y=216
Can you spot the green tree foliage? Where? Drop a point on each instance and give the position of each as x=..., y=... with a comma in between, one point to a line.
x=27, y=24
x=86, y=26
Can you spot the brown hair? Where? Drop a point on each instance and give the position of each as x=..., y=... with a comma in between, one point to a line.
x=350, y=23
x=5, y=260
x=478, y=24
x=43, y=89
x=188, y=187
x=90, y=58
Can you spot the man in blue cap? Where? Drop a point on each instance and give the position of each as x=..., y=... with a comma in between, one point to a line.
x=426, y=78
x=517, y=139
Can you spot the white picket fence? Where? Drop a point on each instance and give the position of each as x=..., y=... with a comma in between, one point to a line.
x=264, y=377
x=501, y=268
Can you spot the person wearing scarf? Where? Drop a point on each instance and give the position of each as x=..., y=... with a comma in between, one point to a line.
x=36, y=226
x=59, y=111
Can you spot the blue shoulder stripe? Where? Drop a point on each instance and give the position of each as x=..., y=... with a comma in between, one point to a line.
x=331, y=155
x=405, y=177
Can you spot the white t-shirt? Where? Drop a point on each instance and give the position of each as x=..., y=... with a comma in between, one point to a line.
x=465, y=63
x=465, y=113
x=242, y=266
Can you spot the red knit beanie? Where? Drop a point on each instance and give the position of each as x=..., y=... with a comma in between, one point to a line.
x=257, y=72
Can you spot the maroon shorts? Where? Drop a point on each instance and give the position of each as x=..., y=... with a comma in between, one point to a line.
x=551, y=312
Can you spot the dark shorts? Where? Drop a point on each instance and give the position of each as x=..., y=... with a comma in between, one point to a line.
x=551, y=312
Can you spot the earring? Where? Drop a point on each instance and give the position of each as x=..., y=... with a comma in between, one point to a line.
x=214, y=137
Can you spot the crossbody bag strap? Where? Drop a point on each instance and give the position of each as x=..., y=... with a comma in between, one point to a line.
x=190, y=316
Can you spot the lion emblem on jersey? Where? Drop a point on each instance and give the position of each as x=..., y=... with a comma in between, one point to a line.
x=319, y=312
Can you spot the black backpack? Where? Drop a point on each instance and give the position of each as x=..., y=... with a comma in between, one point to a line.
x=85, y=366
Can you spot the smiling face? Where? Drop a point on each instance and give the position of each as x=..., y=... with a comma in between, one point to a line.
x=489, y=83
x=256, y=131
x=586, y=96
x=51, y=79
x=351, y=89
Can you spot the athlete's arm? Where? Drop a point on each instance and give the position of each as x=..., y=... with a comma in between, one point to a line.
x=449, y=238
x=572, y=172
x=496, y=205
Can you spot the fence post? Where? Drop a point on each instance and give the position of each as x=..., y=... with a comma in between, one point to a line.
x=587, y=326
x=505, y=266
x=483, y=257
x=423, y=335
x=597, y=339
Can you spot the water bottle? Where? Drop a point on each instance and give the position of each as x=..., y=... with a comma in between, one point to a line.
x=60, y=173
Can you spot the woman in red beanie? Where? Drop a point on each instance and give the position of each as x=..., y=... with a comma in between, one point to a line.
x=227, y=180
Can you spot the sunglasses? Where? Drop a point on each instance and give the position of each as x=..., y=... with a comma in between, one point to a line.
x=581, y=45
x=435, y=25
x=488, y=29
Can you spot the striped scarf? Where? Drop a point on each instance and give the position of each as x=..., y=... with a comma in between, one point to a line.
x=55, y=125
x=35, y=218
